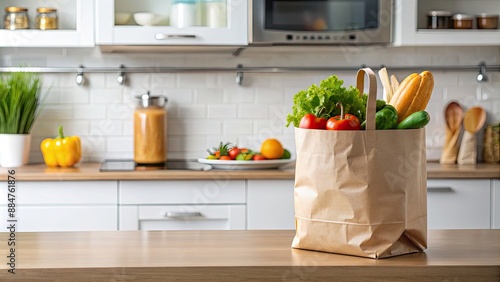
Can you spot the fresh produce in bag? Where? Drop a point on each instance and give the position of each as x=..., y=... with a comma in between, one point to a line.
x=316, y=107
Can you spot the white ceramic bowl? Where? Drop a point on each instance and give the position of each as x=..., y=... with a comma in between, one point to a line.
x=146, y=19
x=122, y=18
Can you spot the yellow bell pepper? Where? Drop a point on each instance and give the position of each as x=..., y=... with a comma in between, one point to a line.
x=61, y=151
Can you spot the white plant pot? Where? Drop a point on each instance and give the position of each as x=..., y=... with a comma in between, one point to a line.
x=14, y=149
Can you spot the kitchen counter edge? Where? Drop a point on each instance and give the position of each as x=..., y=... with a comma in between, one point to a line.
x=90, y=171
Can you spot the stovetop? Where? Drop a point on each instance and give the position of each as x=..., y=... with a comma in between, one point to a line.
x=130, y=165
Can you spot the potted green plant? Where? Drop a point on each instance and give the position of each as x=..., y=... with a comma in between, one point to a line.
x=19, y=108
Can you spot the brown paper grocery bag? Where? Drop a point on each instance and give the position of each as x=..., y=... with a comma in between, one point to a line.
x=361, y=193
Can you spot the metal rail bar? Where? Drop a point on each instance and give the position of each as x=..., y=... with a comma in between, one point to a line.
x=82, y=69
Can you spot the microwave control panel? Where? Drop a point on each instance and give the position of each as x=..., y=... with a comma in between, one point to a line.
x=319, y=38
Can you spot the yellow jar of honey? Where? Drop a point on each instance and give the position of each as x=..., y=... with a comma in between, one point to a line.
x=46, y=18
x=150, y=127
x=16, y=18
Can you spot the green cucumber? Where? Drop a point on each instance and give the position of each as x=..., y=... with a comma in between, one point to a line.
x=416, y=120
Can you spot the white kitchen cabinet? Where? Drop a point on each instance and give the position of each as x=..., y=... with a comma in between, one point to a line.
x=270, y=204
x=64, y=205
x=410, y=23
x=458, y=204
x=495, y=203
x=164, y=33
x=182, y=205
x=76, y=25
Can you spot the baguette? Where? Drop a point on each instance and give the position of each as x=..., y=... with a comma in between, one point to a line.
x=394, y=83
x=407, y=88
x=384, y=78
x=423, y=95
x=413, y=94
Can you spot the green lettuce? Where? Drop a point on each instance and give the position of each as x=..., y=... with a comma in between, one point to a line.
x=322, y=100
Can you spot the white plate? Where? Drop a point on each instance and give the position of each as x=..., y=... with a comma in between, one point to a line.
x=230, y=164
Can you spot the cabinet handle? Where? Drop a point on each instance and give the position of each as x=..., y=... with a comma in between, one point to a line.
x=161, y=36
x=440, y=189
x=171, y=214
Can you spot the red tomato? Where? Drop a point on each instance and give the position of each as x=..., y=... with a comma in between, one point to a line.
x=311, y=121
x=234, y=152
x=225, y=158
x=258, y=157
x=349, y=122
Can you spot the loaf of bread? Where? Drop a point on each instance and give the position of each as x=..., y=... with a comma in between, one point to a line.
x=413, y=94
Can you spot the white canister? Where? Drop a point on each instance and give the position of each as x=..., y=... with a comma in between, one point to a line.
x=214, y=13
x=183, y=13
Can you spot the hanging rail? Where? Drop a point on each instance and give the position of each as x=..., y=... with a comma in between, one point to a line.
x=482, y=68
x=240, y=68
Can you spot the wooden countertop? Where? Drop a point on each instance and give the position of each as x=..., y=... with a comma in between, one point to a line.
x=452, y=255
x=90, y=171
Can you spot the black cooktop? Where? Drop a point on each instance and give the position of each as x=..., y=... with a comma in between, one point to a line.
x=130, y=165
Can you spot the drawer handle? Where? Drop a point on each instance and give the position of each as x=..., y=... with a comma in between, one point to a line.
x=161, y=36
x=440, y=189
x=171, y=214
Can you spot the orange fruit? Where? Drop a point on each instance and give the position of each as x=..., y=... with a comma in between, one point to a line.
x=271, y=149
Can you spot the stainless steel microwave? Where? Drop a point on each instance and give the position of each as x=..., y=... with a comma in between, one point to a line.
x=321, y=22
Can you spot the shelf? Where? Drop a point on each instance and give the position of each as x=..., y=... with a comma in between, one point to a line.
x=76, y=26
x=471, y=37
x=410, y=17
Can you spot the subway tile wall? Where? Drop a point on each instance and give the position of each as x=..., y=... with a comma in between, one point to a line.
x=206, y=108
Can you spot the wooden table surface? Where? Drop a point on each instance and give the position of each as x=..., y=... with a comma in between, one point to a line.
x=90, y=171
x=452, y=255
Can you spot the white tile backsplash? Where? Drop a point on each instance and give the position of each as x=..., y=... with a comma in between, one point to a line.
x=85, y=112
x=206, y=108
x=221, y=111
x=105, y=96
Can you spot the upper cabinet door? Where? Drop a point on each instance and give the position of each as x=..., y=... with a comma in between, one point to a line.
x=172, y=22
x=412, y=28
x=75, y=25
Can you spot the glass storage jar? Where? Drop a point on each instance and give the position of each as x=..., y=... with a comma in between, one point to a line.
x=16, y=18
x=184, y=13
x=461, y=21
x=150, y=127
x=438, y=19
x=213, y=13
x=46, y=18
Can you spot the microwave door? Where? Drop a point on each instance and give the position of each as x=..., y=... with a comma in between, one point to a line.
x=318, y=21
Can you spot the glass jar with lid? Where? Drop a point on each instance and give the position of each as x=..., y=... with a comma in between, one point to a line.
x=150, y=127
x=16, y=18
x=438, y=19
x=184, y=13
x=213, y=13
x=46, y=18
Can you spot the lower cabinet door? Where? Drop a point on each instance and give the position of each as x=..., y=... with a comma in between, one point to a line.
x=182, y=217
x=270, y=204
x=458, y=204
x=60, y=218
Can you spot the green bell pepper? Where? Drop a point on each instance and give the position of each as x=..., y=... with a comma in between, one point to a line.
x=385, y=118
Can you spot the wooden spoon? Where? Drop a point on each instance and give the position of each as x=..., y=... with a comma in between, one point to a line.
x=474, y=119
x=453, y=116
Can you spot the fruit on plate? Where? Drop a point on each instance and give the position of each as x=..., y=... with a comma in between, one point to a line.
x=219, y=151
x=272, y=149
